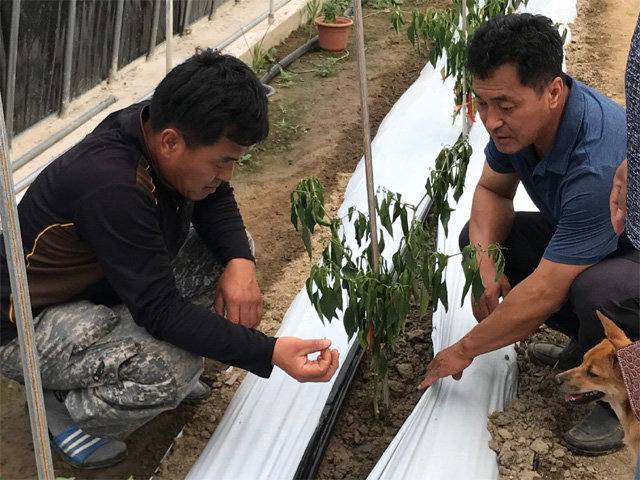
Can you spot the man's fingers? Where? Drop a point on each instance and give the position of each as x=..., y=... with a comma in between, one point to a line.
x=247, y=315
x=484, y=310
x=428, y=380
x=259, y=310
x=219, y=303
x=492, y=303
x=315, y=345
x=431, y=376
x=477, y=312
x=233, y=313
x=457, y=376
x=332, y=363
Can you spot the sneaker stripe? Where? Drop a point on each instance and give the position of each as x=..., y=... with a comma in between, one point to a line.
x=70, y=437
x=82, y=439
x=85, y=446
x=81, y=455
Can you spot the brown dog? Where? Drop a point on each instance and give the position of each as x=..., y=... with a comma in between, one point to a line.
x=599, y=378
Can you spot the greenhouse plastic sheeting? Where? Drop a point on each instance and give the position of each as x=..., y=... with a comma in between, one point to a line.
x=41, y=40
x=269, y=422
x=446, y=435
x=275, y=418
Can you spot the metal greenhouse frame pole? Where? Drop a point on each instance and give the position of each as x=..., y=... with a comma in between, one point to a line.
x=465, y=116
x=11, y=67
x=68, y=58
x=187, y=16
x=366, y=138
x=154, y=28
x=116, y=40
x=212, y=11
x=271, y=13
x=169, y=34
x=366, y=129
x=22, y=309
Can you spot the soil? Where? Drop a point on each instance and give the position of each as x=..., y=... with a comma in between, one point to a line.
x=359, y=439
x=316, y=130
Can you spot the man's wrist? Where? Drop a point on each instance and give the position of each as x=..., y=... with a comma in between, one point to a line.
x=465, y=348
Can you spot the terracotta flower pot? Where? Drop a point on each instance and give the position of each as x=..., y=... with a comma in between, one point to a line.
x=333, y=36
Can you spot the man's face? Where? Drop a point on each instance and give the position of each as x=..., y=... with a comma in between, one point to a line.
x=197, y=172
x=514, y=115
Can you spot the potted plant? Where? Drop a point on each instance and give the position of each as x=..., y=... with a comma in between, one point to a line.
x=333, y=28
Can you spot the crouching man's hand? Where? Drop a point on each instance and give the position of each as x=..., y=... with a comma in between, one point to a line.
x=493, y=290
x=290, y=354
x=450, y=361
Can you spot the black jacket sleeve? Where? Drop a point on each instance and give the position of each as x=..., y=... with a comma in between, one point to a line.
x=122, y=227
x=217, y=220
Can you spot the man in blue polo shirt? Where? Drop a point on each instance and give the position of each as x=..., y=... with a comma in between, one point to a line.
x=563, y=141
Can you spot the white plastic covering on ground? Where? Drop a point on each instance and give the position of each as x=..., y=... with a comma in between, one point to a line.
x=445, y=437
x=268, y=424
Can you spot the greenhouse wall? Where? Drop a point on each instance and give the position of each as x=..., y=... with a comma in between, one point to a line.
x=41, y=43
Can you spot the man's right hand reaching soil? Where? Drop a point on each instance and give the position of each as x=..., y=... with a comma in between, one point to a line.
x=290, y=354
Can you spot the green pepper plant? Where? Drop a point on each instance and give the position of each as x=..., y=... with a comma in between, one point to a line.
x=375, y=304
x=440, y=32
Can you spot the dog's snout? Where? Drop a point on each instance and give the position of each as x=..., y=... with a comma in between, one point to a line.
x=557, y=379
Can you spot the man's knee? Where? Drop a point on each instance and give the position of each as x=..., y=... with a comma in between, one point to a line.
x=463, y=239
x=172, y=370
x=613, y=293
x=63, y=334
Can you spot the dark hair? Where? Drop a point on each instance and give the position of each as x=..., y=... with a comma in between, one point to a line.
x=531, y=42
x=210, y=96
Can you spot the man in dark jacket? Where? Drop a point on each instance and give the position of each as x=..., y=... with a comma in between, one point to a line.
x=127, y=297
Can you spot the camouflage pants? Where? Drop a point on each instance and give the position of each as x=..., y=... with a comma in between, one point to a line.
x=117, y=375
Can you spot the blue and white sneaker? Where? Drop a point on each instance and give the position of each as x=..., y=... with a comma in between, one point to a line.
x=79, y=448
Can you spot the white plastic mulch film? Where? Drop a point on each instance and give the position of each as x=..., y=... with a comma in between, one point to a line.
x=269, y=422
x=446, y=435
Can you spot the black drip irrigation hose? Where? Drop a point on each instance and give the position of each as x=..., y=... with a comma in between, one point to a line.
x=317, y=446
x=289, y=59
x=311, y=44
x=314, y=453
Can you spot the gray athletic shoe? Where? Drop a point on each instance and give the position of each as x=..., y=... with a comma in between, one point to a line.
x=78, y=448
x=201, y=392
x=556, y=356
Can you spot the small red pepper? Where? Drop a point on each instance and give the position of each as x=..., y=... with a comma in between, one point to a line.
x=472, y=117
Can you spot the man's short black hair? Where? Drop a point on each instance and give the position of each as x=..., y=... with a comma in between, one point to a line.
x=531, y=42
x=210, y=96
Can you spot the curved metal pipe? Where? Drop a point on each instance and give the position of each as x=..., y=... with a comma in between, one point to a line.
x=34, y=152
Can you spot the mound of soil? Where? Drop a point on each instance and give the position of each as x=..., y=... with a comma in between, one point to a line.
x=359, y=439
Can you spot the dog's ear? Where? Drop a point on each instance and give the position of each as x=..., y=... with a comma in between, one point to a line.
x=613, y=333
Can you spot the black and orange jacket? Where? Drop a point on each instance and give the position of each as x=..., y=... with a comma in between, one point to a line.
x=99, y=224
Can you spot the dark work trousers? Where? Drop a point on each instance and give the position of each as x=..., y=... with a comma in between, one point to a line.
x=611, y=285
